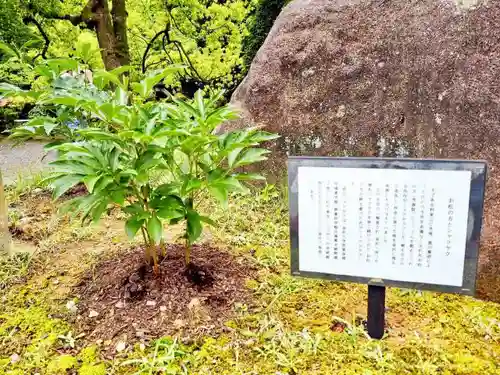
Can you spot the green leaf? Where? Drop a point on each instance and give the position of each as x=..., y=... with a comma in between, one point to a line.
x=198, y=98
x=114, y=158
x=250, y=156
x=261, y=136
x=139, y=88
x=100, y=135
x=102, y=78
x=72, y=166
x=102, y=183
x=121, y=96
x=194, y=226
x=90, y=182
x=62, y=184
x=107, y=111
x=69, y=101
x=155, y=229
x=133, y=209
x=220, y=193
x=231, y=184
x=99, y=210
x=51, y=145
x=132, y=225
x=170, y=207
x=207, y=220
x=249, y=176
x=182, y=161
x=191, y=184
x=169, y=213
x=118, y=197
x=49, y=126
x=122, y=69
x=167, y=189
x=231, y=157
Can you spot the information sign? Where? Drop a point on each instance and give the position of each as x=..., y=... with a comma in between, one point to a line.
x=409, y=223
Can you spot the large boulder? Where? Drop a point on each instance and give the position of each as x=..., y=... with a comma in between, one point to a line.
x=418, y=78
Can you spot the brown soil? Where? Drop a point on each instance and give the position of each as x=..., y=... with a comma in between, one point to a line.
x=130, y=300
x=76, y=191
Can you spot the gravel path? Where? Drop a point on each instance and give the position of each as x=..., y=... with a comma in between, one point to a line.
x=22, y=160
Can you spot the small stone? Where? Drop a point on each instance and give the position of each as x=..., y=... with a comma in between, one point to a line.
x=71, y=306
x=195, y=302
x=120, y=305
x=14, y=358
x=142, y=347
x=151, y=303
x=55, y=281
x=140, y=333
x=37, y=191
x=99, y=342
x=121, y=346
x=308, y=72
x=93, y=314
x=340, y=111
x=163, y=308
x=179, y=323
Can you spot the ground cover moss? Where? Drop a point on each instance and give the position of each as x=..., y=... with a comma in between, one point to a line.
x=294, y=325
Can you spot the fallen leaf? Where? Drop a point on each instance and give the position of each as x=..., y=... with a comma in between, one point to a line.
x=163, y=308
x=93, y=314
x=120, y=305
x=71, y=306
x=121, y=346
x=151, y=303
x=179, y=323
x=195, y=302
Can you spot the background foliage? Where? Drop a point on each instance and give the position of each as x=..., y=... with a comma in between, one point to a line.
x=216, y=40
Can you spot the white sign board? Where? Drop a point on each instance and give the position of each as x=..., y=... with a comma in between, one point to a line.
x=384, y=223
x=411, y=222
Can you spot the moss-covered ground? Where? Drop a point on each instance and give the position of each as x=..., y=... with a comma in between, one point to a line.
x=295, y=326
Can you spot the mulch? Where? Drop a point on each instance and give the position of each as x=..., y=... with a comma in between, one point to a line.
x=132, y=302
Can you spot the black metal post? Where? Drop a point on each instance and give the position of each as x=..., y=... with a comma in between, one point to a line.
x=376, y=311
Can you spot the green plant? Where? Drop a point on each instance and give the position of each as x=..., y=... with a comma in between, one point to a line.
x=163, y=360
x=68, y=340
x=259, y=24
x=130, y=139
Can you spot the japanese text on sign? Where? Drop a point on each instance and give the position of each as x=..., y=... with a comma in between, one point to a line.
x=396, y=224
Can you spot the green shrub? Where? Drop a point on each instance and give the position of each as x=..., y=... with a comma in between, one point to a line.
x=129, y=139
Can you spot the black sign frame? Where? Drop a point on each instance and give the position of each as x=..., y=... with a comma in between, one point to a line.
x=478, y=169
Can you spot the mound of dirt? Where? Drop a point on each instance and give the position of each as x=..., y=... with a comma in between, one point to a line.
x=121, y=296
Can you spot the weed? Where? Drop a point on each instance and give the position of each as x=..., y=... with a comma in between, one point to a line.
x=164, y=359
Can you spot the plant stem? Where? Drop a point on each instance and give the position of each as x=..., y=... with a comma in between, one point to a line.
x=163, y=248
x=147, y=244
x=156, y=269
x=187, y=253
x=187, y=249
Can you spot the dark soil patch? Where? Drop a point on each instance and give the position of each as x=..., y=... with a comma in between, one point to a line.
x=19, y=233
x=76, y=191
x=130, y=300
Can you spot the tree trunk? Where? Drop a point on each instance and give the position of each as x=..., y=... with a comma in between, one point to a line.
x=101, y=19
x=119, y=14
x=110, y=28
